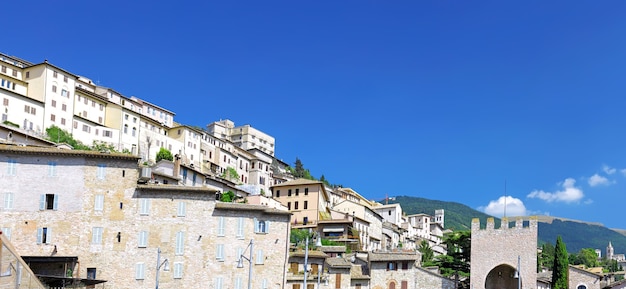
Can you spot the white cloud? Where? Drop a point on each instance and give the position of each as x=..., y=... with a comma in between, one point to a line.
x=597, y=180
x=623, y=171
x=569, y=194
x=609, y=170
x=514, y=207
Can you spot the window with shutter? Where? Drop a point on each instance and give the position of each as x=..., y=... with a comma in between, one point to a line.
x=180, y=243
x=8, y=201
x=219, y=252
x=178, y=270
x=220, y=227
x=337, y=281
x=182, y=209
x=142, y=240
x=99, y=202
x=145, y=207
x=240, y=221
x=260, y=259
x=140, y=271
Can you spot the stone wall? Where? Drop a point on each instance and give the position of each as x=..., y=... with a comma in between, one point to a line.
x=493, y=247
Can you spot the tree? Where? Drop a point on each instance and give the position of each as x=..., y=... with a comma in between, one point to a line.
x=457, y=260
x=561, y=266
x=586, y=256
x=324, y=180
x=164, y=154
x=227, y=197
x=230, y=174
x=299, y=170
x=427, y=253
x=58, y=135
x=545, y=259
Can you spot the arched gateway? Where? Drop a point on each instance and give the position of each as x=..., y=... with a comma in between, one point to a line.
x=498, y=253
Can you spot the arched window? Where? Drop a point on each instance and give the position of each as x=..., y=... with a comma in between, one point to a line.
x=582, y=286
x=392, y=285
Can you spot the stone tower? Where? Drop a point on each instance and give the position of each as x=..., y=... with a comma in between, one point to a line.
x=439, y=214
x=609, y=251
x=496, y=253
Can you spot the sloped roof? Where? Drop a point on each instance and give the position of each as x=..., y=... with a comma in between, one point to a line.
x=298, y=182
x=393, y=256
x=338, y=263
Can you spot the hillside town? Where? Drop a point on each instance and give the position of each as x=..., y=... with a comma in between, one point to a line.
x=218, y=214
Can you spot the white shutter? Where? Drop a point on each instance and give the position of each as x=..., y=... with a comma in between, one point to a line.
x=8, y=201
x=220, y=228
x=52, y=169
x=99, y=202
x=267, y=226
x=259, y=257
x=140, y=271
x=219, y=252
x=39, y=235
x=180, y=243
x=48, y=235
x=7, y=232
x=55, y=203
x=264, y=286
x=145, y=207
x=240, y=227
x=143, y=239
x=256, y=225
x=218, y=282
x=42, y=202
x=238, y=282
x=182, y=209
x=11, y=168
x=178, y=270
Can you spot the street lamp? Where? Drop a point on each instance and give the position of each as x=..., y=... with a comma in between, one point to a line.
x=318, y=243
x=240, y=262
x=165, y=265
x=518, y=274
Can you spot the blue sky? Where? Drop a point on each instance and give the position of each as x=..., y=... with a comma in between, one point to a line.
x=437, y=99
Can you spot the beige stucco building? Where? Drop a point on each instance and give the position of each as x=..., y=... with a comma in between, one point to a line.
x=306, y=199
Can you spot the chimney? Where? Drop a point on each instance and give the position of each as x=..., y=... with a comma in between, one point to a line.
x=176, y=171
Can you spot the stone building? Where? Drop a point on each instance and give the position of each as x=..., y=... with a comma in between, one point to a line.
x=391, y=270
x=84, y=211
x=498, y=254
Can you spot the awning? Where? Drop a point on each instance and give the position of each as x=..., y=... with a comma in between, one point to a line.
x=56, y=281
x=333, y=230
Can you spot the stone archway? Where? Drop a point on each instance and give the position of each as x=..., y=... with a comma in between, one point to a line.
x=501, y=277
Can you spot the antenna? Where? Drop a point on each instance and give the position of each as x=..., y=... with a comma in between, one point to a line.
x=504, y=198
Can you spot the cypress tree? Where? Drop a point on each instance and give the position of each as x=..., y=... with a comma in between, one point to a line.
x=561, y=266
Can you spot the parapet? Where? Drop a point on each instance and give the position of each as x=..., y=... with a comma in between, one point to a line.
x=505, y=223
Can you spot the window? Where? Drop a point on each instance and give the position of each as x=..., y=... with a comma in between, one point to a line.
x=289, y=206
x=54, y=74
x=144, y=207
x=134, y=131
x=62, y=121
x=125, y=129
x=289, y=193
x=65, y=93
x=5, y=102
x=240, y=227
x=101, y=107
x=4, y=69
x=107, y=133
x=297, y=192
x=405, y=265
x=48, y=202
x=64, y=78
x=264, y=284
x=100, y=119
x=101, y=171
x=14, y=72
x=295, y=206
x=178, y=270
x=392, y=266
x=7, y=232
x=52, y=117
x=219, y=281
x=54, y=103
x=11, y=167
x=260, y=259
x=99, y=203
x=64, y=107
x=306, y=191
x=54, y=88
x=142, y=239
x=238, y=282
x=43, y=235
x=337, y=281
x=96, y=235
x=91, y=273
x=404, y=284
x=581, y=286
x=306, y=205
x=220, y=227
x=140, y=271
x=8, y=201
x=392, y=285
x=86, y=128
x=278, y=193
x=261, y=226
x=219, y=252
x=180, y=243
x=182, y=209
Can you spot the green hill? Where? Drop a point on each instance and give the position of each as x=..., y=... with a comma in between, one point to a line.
x=576, y=234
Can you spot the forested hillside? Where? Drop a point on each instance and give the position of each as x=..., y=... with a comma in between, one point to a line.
x=575, y=235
